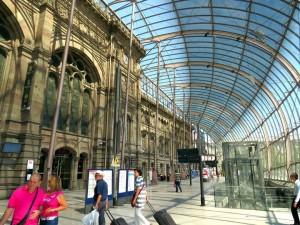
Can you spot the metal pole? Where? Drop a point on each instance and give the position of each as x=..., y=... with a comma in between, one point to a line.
x=108, y=102
x=183, y=115
x=200, y=167
x=58, y=101
x=116, y=134
x=116, y=139
x=216, y=161
x=174, y=120
x=157, y=106
x=127, y=88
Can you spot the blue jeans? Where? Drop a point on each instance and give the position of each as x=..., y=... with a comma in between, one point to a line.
x=49, y=222
x=177, y=183
x=101, y=209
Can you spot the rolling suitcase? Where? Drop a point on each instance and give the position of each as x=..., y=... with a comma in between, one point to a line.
x=162, y=217
x=118, y=221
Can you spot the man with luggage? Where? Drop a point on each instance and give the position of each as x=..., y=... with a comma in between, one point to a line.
x=140, y=198
x=100, y=196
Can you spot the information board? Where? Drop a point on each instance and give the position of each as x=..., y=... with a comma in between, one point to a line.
x=131, y=180
x=108, y=177
x=122, y=181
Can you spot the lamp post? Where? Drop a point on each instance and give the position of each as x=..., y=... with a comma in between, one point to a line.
x=200, y=167
x=58, y=101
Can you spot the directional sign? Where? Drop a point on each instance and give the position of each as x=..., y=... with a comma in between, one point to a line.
x=188, y=155
x=188, y=151
x=211, y=163
x=182, y=159
x=194, y=159
x=182, y=152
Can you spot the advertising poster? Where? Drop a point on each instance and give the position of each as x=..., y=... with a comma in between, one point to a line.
x=130, y=180
x=122, y=181
x=109, y=180
x=92, y=183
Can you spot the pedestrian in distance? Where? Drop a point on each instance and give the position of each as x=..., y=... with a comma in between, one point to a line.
x=295, y=202
x=140, y=198
x=54, y=201
x=177, y=181
x=100, y=196
x=25, y=203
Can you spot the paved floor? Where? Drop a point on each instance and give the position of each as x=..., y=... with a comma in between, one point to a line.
x=184, y=207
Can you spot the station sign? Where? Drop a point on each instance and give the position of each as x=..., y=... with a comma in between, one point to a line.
x=186, y=155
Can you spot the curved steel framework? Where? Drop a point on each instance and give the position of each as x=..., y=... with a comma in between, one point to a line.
x=237, y=63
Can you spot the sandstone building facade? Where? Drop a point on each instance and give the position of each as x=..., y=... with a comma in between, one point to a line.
x=32, y=42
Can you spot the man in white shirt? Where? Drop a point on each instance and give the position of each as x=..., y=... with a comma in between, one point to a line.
x=295, y=202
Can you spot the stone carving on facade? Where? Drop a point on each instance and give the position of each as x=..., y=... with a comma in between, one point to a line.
x=82, y=23
x=62, y=11
x=41, y=2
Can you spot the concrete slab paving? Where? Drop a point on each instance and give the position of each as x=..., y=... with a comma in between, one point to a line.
x=185, y=208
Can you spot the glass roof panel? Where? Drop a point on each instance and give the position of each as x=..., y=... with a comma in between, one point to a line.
x=234, y=60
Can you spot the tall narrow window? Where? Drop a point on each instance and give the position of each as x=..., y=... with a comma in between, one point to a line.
x=2, y=63
x=85, y=119
x=49, y=104
x=128, y=138
x=64, y=105
x=75, y=104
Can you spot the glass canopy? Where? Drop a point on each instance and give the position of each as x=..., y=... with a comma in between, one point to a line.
x=231, y=66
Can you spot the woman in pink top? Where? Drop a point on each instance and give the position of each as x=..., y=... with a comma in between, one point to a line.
x=54, y=201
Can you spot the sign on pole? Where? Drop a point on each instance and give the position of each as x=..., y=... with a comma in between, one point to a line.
x=115, y=162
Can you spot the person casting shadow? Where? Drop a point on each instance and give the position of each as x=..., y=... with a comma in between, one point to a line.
x=177, y=181
x=54, y=201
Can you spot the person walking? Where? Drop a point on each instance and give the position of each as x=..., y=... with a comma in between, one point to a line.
x=54, y=201
x=140, y=198
x=25, y=203
x=100, y=196
x=177, y=181
x=295, y=202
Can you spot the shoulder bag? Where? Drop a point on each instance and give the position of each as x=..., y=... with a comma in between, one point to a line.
x=137, y=193
x=23, y=221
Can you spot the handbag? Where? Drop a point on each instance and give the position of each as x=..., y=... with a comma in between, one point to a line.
x=23, y=221
x=133, y=204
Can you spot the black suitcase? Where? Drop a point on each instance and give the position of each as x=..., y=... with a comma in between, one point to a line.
x=118, y=221
x=162, y=217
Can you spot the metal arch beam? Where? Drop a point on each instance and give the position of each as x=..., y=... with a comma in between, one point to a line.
x=219, y=137
x=214, y=119
x=241, y=99
x=242, y=73
x=209, y=123
x=216, y=135
x=217, y=106
x=258, y=43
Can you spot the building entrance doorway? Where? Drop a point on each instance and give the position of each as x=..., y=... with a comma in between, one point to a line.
x=62, y=166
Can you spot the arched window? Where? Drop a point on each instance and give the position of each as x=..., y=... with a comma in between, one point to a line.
x=4, y=37
x=129, y=124
x=80, y=168
x=4, y=34
x=75, y=107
